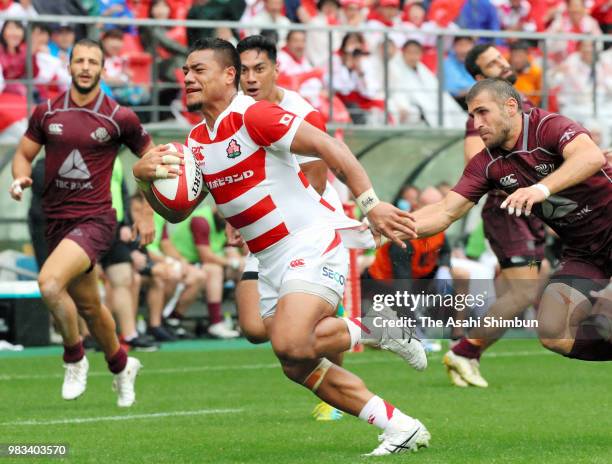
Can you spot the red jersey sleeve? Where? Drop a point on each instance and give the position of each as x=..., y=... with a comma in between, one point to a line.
x=474, y=183
x=316, y=119
x=271, y=126
x=200, y=229
x=133, y=134
x=556, y=131
x=35, y=131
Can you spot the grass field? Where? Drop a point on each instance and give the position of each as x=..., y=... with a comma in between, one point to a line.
x=226, y=402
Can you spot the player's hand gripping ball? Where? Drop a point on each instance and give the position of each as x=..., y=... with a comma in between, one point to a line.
x=182, y=193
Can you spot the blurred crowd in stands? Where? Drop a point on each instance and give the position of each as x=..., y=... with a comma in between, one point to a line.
x=135, y=56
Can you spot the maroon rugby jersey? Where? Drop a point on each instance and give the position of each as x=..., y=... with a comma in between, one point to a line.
x=581, y=214
x=81, y=144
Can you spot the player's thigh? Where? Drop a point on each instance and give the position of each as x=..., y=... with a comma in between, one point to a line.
x=120, y=274
x=247, y=303
x=67, y=261
x=84, y=291
x=293, y=326
x=561, y=310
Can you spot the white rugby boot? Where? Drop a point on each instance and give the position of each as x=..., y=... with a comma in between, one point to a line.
x=75, y=379
x=124, y=383
x=466, y=368
x=401, y=437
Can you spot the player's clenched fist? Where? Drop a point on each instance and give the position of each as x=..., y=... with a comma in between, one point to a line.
x=523, y=199
x=16, y=188
x=159, y=163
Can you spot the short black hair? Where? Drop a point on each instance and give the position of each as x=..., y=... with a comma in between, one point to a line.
x=519, y=45
x=294, y=31
x=499, y=88
x=224, y=50
x=260, y=43
x=42, y=26
x=473, y=55
x=87, y=43
x=412, y=42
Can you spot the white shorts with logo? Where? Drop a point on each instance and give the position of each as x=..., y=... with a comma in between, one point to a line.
x=330, y=195
x=311, y=261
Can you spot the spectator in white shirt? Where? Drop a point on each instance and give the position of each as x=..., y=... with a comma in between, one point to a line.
x=414, y=91
x=317, y=43
x=271, y=15
x=292, y=61
x=352, y=12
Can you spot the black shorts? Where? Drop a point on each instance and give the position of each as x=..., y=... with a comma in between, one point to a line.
x=119, y=253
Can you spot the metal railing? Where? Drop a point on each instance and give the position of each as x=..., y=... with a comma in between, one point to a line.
x=440, y=34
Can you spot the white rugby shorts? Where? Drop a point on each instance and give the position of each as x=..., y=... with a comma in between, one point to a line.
x=310, y=261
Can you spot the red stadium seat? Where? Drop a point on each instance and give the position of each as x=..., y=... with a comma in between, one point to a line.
x=131, y=44
x=140, y=66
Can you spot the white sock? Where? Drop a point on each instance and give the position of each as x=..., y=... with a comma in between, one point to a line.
x=355, y=328
x=379, y=413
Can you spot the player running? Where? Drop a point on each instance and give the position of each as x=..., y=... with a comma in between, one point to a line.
x=518, y=242
x=302, y=264
x=82, y=131
x=549, y=166
x=259, y=71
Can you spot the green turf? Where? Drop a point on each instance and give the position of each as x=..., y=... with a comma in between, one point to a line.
x=540, y=408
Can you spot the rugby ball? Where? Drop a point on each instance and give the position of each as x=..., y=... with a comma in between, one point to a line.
x=183, y=193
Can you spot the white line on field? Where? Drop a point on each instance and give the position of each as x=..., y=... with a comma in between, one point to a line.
x=179, y=370
x=84, y=420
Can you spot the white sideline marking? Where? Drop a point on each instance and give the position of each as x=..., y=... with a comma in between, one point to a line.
x=184, y=370
x=84, y=420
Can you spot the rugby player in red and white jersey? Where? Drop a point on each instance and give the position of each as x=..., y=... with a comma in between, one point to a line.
x=245, y=148
x=82, y=131
x=518, y=242
x=549, y=166
x=258, y=77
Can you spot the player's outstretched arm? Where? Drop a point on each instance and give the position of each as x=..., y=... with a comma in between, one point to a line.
x=582, y=159
x=384, y=217
x=437, y=217
x=22, y=166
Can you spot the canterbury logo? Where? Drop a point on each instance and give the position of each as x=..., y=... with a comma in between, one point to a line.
x=296, y=263
x=508, y=181
x=56, y=129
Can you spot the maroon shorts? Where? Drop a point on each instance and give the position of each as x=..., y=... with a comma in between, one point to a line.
x=94, y=235
x=516, y=241
x=585, y=270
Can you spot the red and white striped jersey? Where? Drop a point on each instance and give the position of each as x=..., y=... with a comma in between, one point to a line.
x=252, y=176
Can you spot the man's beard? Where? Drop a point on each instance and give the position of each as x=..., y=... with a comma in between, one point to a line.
x=511, y=79
x=194, y=107
x=500, y=139
x=85, y=90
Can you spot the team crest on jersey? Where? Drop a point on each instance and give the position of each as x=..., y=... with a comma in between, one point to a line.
x=545, y=169
x=233, y=149
x=101, y=135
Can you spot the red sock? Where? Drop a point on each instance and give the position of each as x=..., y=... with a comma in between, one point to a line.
x=214, y=313
x=74, y=353
x=175, y=315
x=117, y=362
x=466, y=349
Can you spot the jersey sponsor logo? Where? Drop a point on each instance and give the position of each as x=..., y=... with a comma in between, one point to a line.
x=100, y=135
x=233, y=149
x=225, y=180
x=556, y=207
x=545, y=169
x=333, y=275
x=56, y=129
x=509, y=180
x=297, y=263
x=568, y=134
x=74, y=167
x=286, y=119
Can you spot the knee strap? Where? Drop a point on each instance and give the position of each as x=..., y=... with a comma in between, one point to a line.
x=315, y=378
